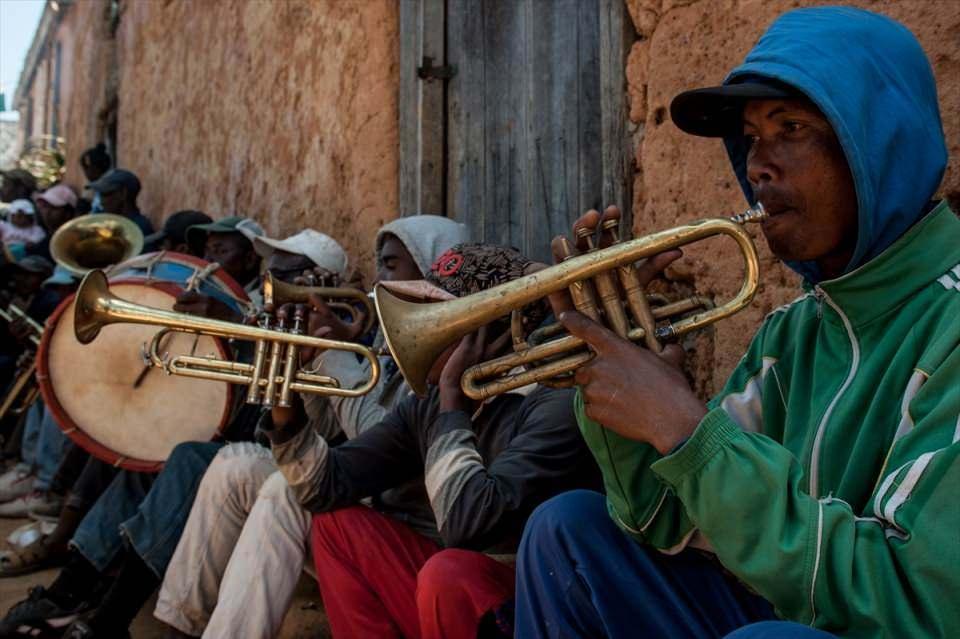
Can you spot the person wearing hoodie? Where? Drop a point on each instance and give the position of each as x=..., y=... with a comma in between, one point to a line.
x=246, y=520
x=816, y=493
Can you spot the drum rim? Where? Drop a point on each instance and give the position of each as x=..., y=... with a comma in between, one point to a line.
x=224, y=277
x=62, y=418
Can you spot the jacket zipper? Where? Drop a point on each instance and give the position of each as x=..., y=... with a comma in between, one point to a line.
x=822, y=296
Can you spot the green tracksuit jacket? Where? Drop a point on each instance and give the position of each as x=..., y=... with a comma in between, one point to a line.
x=826, y=475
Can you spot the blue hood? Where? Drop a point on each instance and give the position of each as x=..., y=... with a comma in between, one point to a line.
x=869, y=76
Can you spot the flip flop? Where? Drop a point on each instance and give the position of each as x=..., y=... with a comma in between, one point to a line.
x=33, y=557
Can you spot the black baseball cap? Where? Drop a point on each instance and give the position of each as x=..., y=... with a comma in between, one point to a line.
x=116, y=179
x=175, y=227
x=717, y=112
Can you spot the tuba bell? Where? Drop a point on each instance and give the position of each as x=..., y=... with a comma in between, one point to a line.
x=95, y=241
x=45, y=158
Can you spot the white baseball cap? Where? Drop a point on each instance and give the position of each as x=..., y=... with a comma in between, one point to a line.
x=319, y=248
x=21, y=206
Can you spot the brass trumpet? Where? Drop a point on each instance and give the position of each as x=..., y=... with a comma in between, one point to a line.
x=13, y=312
x=353, y=301
x=23, y=391
x=417, y=334
x=268, y=384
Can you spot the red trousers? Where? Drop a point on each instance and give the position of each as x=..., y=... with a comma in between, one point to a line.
x=379, y=578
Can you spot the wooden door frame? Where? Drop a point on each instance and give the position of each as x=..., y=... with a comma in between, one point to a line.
x=422, y=107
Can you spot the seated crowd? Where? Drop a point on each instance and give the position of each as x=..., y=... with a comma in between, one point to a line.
x=810, y=498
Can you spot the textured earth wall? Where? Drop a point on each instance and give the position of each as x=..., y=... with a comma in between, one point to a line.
x=284, y=111
x=685, y=44
x=88, y=51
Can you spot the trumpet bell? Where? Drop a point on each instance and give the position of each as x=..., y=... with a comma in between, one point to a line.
x=87, y=321
x=414, y=333
x=95, y=241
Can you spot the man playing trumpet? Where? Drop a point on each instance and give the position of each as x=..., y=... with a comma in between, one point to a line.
x=820, y=480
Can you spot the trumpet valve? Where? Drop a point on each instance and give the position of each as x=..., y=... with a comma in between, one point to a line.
x=585, y=233
x=612, y=226
x=290, y=361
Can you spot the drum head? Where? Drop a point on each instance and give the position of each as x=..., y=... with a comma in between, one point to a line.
x=109, y=402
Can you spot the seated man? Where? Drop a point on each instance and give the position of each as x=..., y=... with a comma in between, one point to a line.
x=146, y=514
x=86, y=478
x=173, y=235
x=822, y=479
x=118, y=190
x=16, y=184
x=56, y=206
x=471, y=473
x=22, y=226
x=94, y=162
x=229, y=242
x=246, y=520
x=25, y=488
x=24, y=282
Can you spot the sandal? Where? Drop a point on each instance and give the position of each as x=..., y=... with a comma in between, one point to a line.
x=39, y=616
x=33, y=557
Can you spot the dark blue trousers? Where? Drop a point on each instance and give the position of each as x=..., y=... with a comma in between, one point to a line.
x=578, y=575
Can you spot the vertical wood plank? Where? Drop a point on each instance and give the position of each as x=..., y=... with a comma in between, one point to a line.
x=616, y=37
x=504, y=178
x=589, y=110
x=421, y=107
x=410, y=36
x=466, y=98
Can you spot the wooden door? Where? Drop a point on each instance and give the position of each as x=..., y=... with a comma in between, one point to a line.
x=516, y=123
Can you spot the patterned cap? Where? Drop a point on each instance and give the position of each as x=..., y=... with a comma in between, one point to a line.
x=470, y=268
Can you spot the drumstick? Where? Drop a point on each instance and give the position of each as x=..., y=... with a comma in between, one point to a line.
x=142, y=376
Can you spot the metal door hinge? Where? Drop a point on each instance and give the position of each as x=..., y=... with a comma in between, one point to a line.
x=429, y=72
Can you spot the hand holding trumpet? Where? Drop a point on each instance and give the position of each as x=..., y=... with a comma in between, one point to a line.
x=623, y=377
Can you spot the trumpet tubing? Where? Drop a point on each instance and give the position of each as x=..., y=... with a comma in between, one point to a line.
x=276, y=293
x=417, y=334
x=21, y=393
x=96, y=307
x=13, y=312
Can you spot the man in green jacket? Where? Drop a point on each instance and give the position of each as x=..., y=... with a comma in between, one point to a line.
x=820, y=487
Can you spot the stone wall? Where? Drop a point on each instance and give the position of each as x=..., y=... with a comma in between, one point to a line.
x=282, y=111
x=684, y=44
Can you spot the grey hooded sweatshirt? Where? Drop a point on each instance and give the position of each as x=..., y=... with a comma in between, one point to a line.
x=426, y=237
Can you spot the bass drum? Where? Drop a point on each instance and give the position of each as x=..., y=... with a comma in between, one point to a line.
x=103, y=395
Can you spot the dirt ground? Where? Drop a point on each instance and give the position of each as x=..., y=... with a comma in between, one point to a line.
x=305, y=620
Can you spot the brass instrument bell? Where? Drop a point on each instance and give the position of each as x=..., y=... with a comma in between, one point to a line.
x=95, y=241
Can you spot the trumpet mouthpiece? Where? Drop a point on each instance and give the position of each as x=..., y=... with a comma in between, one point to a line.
x=755, y=213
